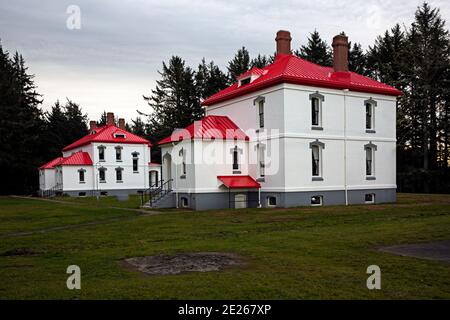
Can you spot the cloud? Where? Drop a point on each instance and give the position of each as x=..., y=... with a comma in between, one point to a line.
x=113, y=59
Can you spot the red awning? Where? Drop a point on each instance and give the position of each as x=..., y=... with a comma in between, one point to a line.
x=239, y=182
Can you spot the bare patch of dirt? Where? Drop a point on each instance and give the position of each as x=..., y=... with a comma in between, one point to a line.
x=436, y=250
x=182, y=262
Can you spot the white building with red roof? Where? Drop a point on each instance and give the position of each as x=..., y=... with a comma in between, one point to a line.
x=289, y=134
x=107, y=161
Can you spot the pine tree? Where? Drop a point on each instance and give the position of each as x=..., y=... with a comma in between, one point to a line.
x=21, y=126
x=239, y=64
x=429, y=61
x=102, y=121
x=65, y=124
x=209, y=79
x=175, y=102
x=356, y=59
x=316, y=51
x=138, y=127
x=260, y=61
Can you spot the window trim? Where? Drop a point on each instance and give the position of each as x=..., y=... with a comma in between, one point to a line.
x=320, y=146
x=119, y=169
x=372, y=104
x=261, y=161
x=103, y=151
x=81, y=171
x=119, y=148
x=259, y=102
x=320, y=99
x=272, y=205
x=317, y=204
x=135, y=156
x=371, y=201
x=372, y=147
x=102, y=169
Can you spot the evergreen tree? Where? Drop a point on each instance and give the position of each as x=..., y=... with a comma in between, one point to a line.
x=428, y=56
x=175, y=101
x=138, y=127
x=209, y=79
x=65, y=124
x=316, y=51
x=356, y=59
x=103, y=119
x=260, y=61
x=239, y=64
x=21, y=126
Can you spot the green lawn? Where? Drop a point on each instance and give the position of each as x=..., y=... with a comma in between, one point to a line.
x=301, y=253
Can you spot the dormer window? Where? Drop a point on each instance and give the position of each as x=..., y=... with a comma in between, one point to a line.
x=119, y=135
x=245, y=81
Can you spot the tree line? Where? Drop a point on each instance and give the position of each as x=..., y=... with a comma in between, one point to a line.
x=414, y=59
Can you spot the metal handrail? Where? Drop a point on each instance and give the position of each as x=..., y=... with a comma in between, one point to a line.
x=156, y=191
x=52, y=191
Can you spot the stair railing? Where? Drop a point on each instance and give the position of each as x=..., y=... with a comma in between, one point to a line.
x=156, y=191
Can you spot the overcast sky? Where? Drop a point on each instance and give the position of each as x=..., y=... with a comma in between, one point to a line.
x=114, y=58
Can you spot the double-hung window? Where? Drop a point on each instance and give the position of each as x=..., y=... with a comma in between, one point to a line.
x=101, y=153
x=370, y=115
x=316, y=110
x=135, y=162
x=369, y=150
x=316, y=160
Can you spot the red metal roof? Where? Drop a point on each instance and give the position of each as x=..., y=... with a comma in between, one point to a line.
x=210, y=127
x=52, y=164
x=108, y=134
x=77, y=159
x=292, y=69
x=239, y=182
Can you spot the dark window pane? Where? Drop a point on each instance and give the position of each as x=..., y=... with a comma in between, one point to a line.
x=235, y=160
x=315, y=111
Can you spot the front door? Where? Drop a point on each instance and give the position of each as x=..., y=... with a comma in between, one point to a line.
x=153, y=178
x=240, y=201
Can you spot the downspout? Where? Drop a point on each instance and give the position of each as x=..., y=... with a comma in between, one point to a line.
x=345, y=146
x=259, y=198
x=175, y=180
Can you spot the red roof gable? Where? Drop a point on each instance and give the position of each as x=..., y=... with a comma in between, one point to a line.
x=239, y=182
x=108, y=134
x=292, y=69
x=210, y=127
x=52, y=164
x=77, y=159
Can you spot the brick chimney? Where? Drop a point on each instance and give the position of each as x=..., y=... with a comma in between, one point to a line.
x=110, y=118
x=283, y=40
x=340, y=53
x=122, y=123
x=92, y=126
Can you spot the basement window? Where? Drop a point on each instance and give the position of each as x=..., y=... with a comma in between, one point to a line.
x=370, y=198
x=316, y=201
x=184, y=202
x=271, y=201
x=82, y=194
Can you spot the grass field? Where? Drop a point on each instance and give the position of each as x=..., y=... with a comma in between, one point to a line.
x=300, y=253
